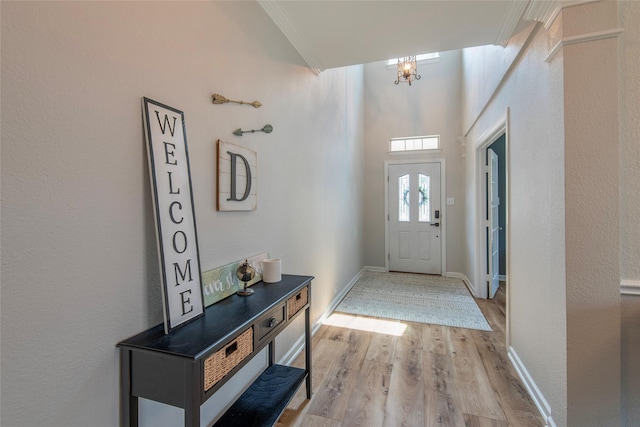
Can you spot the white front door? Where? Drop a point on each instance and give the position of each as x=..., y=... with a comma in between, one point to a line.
x=493, y=203
x=414, y=218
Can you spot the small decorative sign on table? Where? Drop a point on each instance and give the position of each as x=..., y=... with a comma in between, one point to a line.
x=221, y=282
x=173, y=208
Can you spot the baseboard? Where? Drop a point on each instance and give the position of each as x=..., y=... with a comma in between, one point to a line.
x=298, y=346
x=630, y=287
x=464, y=278
x=372, y=268
x=535, y=393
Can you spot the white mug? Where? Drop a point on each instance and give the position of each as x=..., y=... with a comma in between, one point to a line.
x=271, y=270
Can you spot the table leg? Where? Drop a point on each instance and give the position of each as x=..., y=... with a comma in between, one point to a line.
x=307, y=348
x=128, y=403
x=272, y=353
x=192, y=397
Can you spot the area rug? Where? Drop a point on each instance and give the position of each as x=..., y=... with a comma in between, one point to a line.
x=414, y=298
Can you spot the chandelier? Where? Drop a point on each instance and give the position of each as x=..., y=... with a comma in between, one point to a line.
x=407, y=70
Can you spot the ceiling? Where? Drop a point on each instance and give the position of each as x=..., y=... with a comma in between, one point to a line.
x=337, y=33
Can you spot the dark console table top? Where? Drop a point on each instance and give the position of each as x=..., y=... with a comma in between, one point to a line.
x=221, y=321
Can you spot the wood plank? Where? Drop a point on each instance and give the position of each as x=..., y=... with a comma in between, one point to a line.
x=438, y=374
x=476, y=421
x=324, y=355
x=442, y=410
x=474, y=389
x=461, y=342
x=434, y=339
x=311, y=420
x=369, y=397
x=324, y=361
x=412, y=336
x=512, y=394
x=333, y=394
x=495, y=317
x=442, y=404
x=405, y=403
x=381, y=348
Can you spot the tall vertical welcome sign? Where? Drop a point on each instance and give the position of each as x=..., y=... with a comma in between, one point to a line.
x=175, y=218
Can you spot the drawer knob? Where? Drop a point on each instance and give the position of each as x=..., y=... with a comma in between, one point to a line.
x=273, y=322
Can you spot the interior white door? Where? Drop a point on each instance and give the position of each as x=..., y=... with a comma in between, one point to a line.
x=494, y=228
x=414, y=218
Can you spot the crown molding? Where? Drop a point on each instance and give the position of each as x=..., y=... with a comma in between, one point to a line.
x=283, y=21
x=543, y=11
x=511, y=21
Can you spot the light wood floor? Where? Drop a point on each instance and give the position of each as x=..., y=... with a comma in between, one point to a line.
x=429, y=376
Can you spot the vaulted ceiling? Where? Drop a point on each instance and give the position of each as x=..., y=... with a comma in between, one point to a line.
x=337, y=33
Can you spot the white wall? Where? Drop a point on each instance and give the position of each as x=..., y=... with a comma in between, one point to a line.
x=629, y=17
x=430, y=106
x=592, y=216
x=573, y=234
x=629, y=97
x=532, y=95
x=79, y=264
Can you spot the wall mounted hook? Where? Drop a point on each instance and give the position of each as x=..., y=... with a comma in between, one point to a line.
x=219, y=99
x=266, y=129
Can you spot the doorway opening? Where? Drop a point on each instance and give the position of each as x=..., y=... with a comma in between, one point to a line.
x=492, y=234
x=492, y=218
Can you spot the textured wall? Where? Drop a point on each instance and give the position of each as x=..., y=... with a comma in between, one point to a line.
x=629, y=57
x=629, y=19
x=592, y=217
x=532, y=95
x=79, y=262
x=569, y=221
x=430, y=106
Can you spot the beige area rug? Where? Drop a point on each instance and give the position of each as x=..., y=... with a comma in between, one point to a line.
x=414, y=298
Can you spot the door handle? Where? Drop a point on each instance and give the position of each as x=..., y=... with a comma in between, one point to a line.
x=435, y=224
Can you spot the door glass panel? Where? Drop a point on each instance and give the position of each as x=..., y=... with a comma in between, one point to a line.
x=404, y=202
x=424, y=207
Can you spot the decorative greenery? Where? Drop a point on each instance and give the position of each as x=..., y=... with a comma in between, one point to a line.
x=423, y=198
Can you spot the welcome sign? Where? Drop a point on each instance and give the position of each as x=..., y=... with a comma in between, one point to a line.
x=173, y=208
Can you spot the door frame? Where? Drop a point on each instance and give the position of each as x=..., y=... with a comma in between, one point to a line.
x=443, y=209
x=480, y=148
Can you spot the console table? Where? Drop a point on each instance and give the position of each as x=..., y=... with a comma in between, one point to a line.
x=187, y=366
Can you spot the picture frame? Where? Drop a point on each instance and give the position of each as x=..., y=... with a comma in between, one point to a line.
x=237, y=178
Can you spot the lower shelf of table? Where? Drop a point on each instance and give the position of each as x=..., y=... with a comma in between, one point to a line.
x=265, y=400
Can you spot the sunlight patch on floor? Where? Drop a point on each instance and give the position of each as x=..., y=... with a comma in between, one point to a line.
x=387, y=327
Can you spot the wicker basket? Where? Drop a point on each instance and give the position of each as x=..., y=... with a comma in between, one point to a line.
x=224, y=360
x=296, y=302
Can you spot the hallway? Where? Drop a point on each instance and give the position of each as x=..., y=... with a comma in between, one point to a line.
x=428, y=376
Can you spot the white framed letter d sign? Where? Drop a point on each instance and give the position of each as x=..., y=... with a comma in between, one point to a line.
x=173, y=208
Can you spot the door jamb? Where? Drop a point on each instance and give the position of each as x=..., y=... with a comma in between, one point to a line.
x=443, y=209
x=480, y=147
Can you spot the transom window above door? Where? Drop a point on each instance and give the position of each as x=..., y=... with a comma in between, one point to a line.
x=430, y=143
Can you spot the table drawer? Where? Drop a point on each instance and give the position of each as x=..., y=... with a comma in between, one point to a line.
x=269, y=322
x=224, y=360
x=296, y=302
